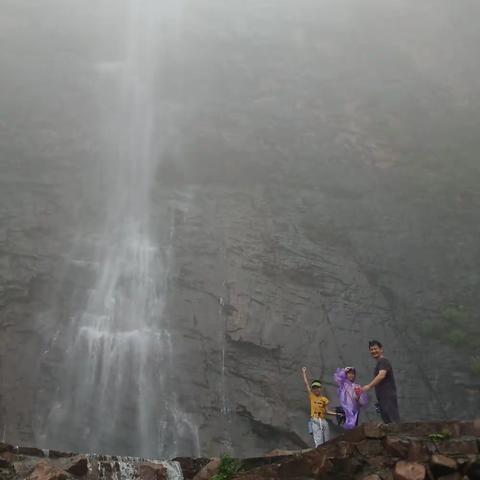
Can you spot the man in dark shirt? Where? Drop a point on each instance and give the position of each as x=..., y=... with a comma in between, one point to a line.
x=384, y=383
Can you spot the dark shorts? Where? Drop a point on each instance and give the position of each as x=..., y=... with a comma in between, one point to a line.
x=389, y=409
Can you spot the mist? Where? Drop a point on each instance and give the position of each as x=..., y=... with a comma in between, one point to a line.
x=199, y=197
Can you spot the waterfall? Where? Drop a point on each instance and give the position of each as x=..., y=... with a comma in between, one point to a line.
x=118, y=347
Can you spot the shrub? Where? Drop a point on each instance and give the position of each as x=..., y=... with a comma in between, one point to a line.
x=475, y=366
x=455, y=315
x=457, y=337
x=227, y=469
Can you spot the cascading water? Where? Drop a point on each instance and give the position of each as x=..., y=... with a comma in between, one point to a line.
x=119, y=347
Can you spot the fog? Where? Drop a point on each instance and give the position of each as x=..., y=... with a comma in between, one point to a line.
x=121, y=121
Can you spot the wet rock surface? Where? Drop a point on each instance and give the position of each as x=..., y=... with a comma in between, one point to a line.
x=306, y=209
x=356, y=455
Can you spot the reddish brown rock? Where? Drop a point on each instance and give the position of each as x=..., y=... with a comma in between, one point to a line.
x=152, y=471
x=423, y=429
x=370, y=448
x=209, y=470
x=396, y=446
x=374, y=430
x=473, y=470
x=8, y=456
x=460, y=446
x=380, y=462
x=268, y=472
x=386, y=474
x=23, y=469
x=409, y=471
x=417, y=451
x=5, y=447
x=57, y=454
x=441, y=462
x=279, y=453
x=45, y=471
x=451, y=476
x=355, y=435
x=344, y=449
x=77, y=466
x=191, y=466
x=29, y=451
x=470, y=428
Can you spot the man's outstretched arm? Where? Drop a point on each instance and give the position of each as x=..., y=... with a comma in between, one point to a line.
x=379, y=378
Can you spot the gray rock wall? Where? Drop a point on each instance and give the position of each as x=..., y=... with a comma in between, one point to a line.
x=317, y=187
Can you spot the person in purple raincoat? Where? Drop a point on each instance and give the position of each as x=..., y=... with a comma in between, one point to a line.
x=350, y=395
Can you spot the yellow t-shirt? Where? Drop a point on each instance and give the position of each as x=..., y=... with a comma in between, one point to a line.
x=318, y=406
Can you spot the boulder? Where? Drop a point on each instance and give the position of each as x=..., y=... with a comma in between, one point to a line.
x=77, y=466
x=152, y=471
x=380, y=462
x=417, y=451
x=191, y=466
x=5, y=447
x=409, y=471
x=442, y=464
x=370, y=448
x=30, y=451
x=470, y=428
x=373, y=430
x=8, y=456
x=473, y=470
x=451, y=476
x=458, y=446
x=269, y=472
x=45, y=471
x=280, y=453
x=4, y=463
x=396, y=446
x=58, y=454
x=209, y=470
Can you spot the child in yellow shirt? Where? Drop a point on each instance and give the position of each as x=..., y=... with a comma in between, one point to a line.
x=318, y=410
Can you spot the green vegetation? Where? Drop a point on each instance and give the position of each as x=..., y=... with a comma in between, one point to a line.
x=430, y=328
x=439, y=437
x=475, y=366
x=455, y=315
x=228, y=468
x=457, y=326
x=457, y=337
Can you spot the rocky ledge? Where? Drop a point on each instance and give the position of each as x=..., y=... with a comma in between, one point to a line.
x=409, y=451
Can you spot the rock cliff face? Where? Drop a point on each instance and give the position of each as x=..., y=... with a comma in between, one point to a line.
x=317, y=186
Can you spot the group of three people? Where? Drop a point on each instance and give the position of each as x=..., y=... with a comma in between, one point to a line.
x=352, y=396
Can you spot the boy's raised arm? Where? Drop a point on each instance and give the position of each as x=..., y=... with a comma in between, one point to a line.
x=305, y=379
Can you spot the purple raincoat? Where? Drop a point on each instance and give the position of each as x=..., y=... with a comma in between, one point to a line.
x=348, y=400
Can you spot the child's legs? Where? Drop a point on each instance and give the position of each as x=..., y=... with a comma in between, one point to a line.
x=316, y=431
x=320, y=430
x=326, y=430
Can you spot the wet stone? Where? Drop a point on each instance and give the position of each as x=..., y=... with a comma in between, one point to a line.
x=45, y=471
x=409, y=471
x=461, y=446
x=152, y=471
x=441, y=463
x=5, y=447
x=374, y=430
x=397, y=446
x=78, y=466
x=30, y=451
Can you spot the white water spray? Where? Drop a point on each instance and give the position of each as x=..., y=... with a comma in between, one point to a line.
x=119, y=346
